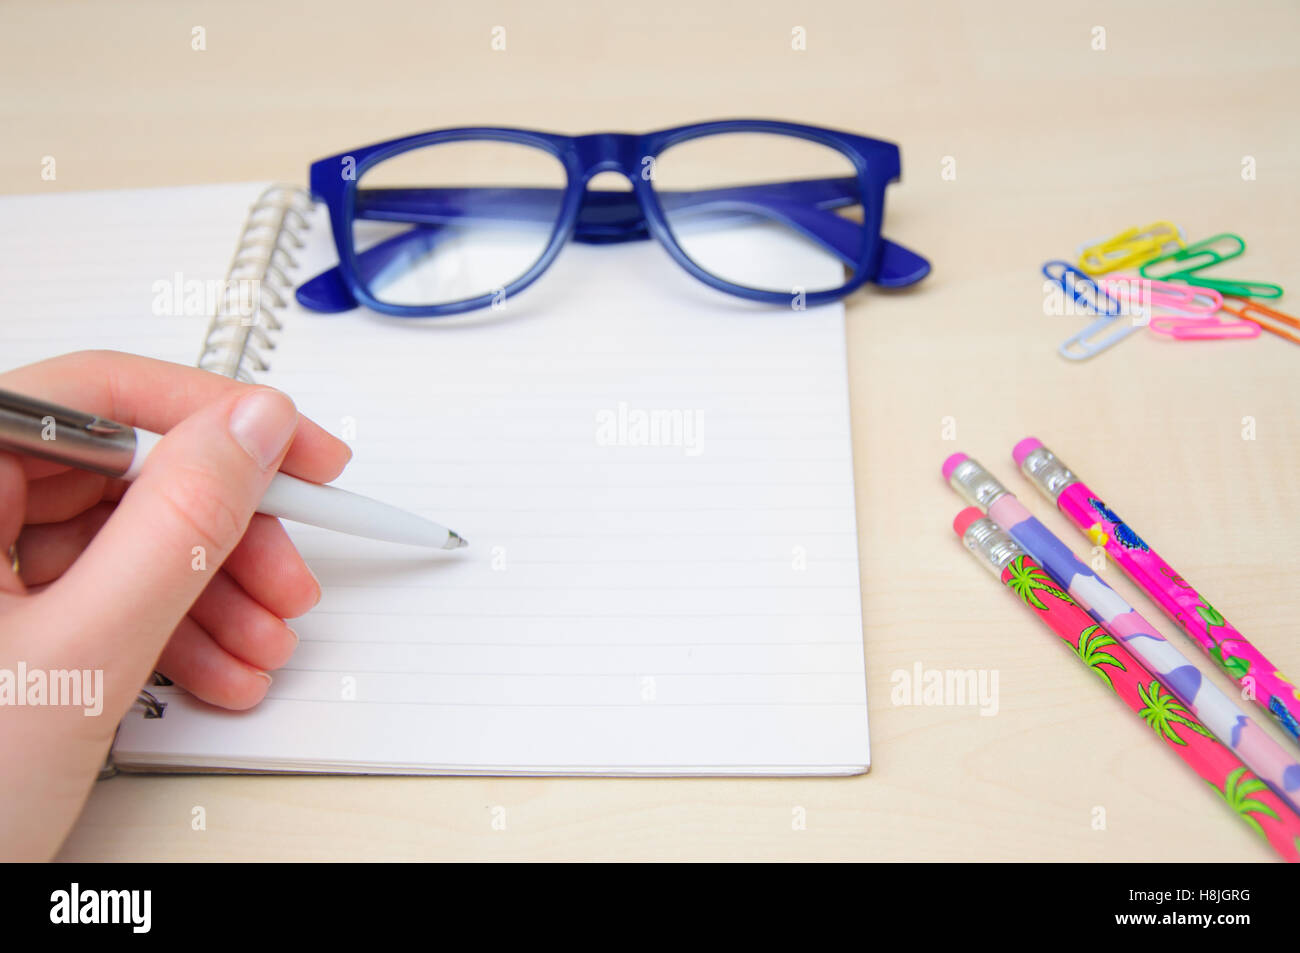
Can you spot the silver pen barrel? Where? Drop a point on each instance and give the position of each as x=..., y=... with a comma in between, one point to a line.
x=66, y=436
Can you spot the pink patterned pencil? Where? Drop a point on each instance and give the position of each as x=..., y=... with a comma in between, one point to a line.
x=1258, y=807
x=1227, y=647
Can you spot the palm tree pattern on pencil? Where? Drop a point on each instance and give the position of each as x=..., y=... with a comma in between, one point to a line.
x=1236, y=793
x=1028, y=579
x=1164, y=712
x=1092, y=641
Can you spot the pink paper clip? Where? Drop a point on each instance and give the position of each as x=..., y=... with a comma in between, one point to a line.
x=1143, y=296
x=1191, y=311
x=1203, y=329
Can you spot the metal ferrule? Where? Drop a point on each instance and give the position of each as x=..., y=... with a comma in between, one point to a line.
x=65, y=436
x=975, y=485
x=991, y=545
x=1047, y=473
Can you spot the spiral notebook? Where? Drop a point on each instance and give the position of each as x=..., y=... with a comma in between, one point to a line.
x=630, y=604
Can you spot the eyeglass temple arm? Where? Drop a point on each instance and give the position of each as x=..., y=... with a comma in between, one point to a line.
x=607, y=217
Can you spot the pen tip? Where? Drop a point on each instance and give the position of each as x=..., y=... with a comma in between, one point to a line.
x=455, y=540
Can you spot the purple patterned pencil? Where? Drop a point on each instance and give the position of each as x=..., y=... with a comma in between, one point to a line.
x=1197, y=694
x=1245, y=794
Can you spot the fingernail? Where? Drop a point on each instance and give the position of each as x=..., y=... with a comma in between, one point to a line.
x=266, y=676
x=263, y=424
x=296, y=637
x=319, y=592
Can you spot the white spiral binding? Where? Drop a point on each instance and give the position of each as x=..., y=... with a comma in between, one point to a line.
x=241, y=331
x=238, y=335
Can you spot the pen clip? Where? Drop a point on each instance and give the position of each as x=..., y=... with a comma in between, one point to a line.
x=64, y=435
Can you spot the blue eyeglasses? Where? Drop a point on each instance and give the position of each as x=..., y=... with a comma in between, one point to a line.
x=449, y=221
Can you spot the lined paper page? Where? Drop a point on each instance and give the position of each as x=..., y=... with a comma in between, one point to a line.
x=112, y=269
x=624, y=607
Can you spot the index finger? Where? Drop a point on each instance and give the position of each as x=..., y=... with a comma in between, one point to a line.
x=157, y=395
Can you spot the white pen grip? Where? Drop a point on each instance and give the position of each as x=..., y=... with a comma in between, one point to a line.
x=328, y=506
x=287, y=497
x=312, y=503
x=145, y=441
x=343, y=511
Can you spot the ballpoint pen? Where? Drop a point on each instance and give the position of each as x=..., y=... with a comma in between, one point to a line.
x=88, y=442
x=1266, y=757
x=1227, y=647
x=1249, y=797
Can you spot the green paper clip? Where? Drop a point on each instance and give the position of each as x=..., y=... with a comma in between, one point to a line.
x=1207, y=256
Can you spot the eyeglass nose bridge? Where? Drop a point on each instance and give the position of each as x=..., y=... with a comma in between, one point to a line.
x=606, y=216
x=608, y=152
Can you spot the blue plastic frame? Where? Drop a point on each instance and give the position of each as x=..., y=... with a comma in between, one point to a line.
x=601, y=216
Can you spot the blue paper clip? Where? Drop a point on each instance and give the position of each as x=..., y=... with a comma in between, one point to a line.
x=1082, y=290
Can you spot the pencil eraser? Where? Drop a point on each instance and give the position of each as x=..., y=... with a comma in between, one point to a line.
x=965, y=518
x=1024, y=448
x=952, y=463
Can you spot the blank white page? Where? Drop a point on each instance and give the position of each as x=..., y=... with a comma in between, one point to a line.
x=101, y=269
x=690, y=607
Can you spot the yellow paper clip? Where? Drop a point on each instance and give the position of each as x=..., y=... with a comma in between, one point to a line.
x=1130, y=248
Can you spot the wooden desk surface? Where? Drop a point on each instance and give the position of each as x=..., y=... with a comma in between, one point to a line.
x=1054, y=142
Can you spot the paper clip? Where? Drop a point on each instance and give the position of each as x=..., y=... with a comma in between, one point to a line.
x=1081, y=289
x=1084, y=291
x=1130, y=248
x=1204, y=255
x=1203, y=329
x=1081, y=346
x=1143, y=296
x=1190, y=311
x=1252, y=311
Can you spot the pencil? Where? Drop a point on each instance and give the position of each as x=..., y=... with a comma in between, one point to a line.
x=1205, y=625
x=1237, y=786
x=1275, y=765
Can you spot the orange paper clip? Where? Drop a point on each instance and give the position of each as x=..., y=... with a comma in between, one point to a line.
x=1255, y=312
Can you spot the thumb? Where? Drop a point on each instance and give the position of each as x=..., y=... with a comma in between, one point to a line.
x=170, y=533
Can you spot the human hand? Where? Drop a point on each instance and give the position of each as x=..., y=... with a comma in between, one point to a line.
x=110, y=578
